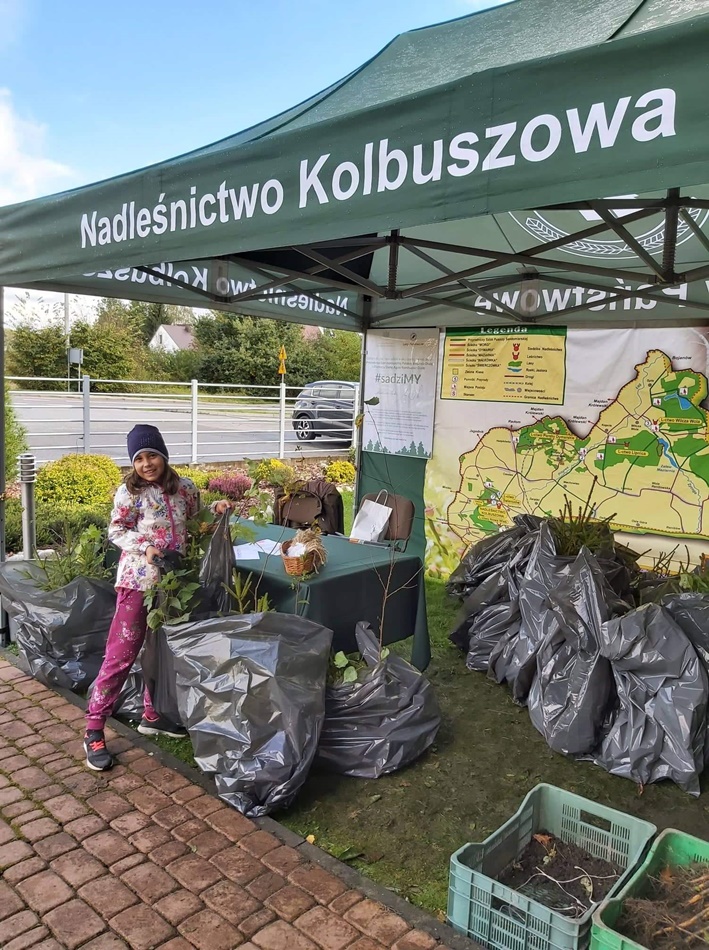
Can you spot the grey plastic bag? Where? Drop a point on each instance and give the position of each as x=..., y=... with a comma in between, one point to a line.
x=514, y=659
x=573, y=691
x=490, y=624
x=158, y=665
x=61, y=633
x=490, y=612
x=659, y=729
x=491, y=554
x=491, y=592
x=691, y=612
x=251, y=692
x=383, y=721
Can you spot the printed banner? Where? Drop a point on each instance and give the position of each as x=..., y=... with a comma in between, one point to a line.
x=631, y=434
x=400, y=377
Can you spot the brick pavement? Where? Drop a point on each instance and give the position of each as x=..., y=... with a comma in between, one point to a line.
x=142, y=857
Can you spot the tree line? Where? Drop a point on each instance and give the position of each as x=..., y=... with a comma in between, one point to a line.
x=230, y=348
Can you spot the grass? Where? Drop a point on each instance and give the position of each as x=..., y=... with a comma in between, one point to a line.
x=347, y=503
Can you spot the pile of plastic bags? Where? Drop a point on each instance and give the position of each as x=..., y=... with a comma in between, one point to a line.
x=251, y=689
x=62, y=633
x=625, y=686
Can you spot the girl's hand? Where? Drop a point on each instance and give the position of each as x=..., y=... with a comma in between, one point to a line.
x=220, y=507
x=151, y=553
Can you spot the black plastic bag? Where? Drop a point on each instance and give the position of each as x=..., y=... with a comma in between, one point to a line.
x=251, y=692
x=381, y=722
x=158, y=665
x=659, y=729
x=61, y=633
x=216, y=571
x=574, y=689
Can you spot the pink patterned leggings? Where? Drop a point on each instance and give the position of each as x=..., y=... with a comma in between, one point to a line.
x=125, y=638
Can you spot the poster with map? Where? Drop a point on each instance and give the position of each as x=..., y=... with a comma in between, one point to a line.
x=631, y=432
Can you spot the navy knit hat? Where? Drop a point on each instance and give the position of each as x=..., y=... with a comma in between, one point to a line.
x=146, y=439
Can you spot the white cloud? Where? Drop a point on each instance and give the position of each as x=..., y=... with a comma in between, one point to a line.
x=25, y=171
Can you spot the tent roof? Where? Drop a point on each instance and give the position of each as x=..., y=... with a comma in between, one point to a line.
x=392, y=197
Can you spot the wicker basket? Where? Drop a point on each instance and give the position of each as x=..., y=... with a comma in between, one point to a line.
x=297, y=566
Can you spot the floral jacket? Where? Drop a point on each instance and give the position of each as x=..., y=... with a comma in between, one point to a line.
x=152, y=517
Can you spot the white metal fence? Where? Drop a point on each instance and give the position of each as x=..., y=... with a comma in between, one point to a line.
x=201, y=422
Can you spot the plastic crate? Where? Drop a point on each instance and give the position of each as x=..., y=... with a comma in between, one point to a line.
x=673, y=848
x=501, y=918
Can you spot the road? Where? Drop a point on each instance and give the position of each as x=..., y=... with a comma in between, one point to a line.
x=54, y=423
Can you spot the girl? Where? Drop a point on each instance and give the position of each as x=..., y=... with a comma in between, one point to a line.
x=150, y=514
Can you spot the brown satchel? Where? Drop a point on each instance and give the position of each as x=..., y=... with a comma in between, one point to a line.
x=315, y=502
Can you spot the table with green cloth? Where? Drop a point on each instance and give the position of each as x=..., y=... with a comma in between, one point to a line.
x=350, y=587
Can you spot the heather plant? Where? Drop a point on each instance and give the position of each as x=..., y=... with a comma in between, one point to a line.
x=233, y=487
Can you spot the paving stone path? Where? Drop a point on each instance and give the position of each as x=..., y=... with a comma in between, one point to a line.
x=142, y=857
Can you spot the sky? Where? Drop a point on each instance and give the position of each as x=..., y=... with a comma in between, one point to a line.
x=90, y=90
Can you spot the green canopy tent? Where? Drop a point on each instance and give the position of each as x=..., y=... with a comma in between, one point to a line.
x=391, y=199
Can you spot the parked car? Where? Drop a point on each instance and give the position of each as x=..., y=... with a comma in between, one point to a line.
x=326, y=407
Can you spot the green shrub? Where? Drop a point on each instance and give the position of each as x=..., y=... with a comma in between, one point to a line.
x=55, y=524
x=340, y=472
x=207, y=497
x=78, y=480
x=200, y=478
x=58, y=525
x=81, y=555
x=15, y=439
x=13, y=525
x=271, y=472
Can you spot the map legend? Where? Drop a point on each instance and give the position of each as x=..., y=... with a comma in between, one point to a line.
x=515, y=364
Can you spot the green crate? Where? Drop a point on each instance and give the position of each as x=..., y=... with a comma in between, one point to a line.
x=671, y=848
x=501, y=918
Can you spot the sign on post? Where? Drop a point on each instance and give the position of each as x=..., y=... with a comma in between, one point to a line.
x=282, y=356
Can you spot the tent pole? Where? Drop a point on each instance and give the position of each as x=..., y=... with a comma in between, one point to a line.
x=4, y=635
x=366, y=317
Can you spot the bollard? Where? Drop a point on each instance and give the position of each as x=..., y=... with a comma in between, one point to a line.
x=28, y=476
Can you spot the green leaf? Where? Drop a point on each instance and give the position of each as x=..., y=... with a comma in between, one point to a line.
x=340, y=660
x=374, y=401
x=350, y=854
x=183, y=618
x=384, y=653
x=350, y=675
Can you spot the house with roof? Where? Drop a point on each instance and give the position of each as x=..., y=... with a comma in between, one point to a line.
x=173, y=338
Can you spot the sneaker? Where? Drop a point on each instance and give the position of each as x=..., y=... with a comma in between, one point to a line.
x=98, y=757
x=161, y=727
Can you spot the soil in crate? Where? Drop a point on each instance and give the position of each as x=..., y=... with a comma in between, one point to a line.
x=673, y=911
x=562, y=876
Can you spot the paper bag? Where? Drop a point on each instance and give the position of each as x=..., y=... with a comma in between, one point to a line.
x=372, y=520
